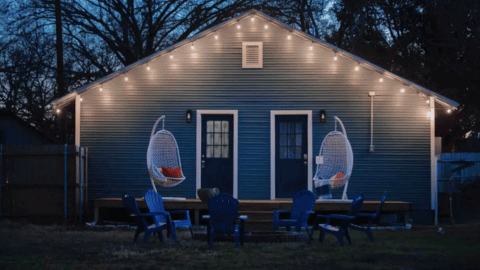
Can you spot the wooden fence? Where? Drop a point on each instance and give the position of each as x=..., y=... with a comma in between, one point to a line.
x=43, y=183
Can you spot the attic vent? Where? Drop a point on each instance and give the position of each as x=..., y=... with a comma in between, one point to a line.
x=252, y=55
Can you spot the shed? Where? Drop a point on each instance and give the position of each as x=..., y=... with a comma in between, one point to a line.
x=250, y=74
x=14, y=131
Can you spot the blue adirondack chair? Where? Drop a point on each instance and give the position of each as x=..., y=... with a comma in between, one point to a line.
x=371, y=218
x=345, y=220
x=302, y=205
x=142, y=226
x=223, y=214
x=155, y=204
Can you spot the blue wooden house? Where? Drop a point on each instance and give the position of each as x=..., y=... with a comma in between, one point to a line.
x=242, y=80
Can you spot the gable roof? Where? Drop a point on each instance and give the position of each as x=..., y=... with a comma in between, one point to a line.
x=365, y=64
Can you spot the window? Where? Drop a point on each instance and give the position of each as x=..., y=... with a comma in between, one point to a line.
x=290, y=140
x=218, y=139
x=252, y=55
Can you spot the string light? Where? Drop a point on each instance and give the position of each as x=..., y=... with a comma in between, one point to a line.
x=148, y=67
x=253, y=19
x=216, y=36
x=449, y=111
x=428, y=101
x=289, y=37
x=101, y=88
x=126, y=78
x=238, y=26
x=81, y=99
x=266, y=26
x=381, y=80
x=402, y=90
x=58, y=110
x=357, y=68
x=192, y=47
x=335, y=58
x=311, y=47
x=171, y=56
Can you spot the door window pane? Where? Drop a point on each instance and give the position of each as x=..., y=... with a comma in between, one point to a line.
x=225, y=126
x=217, y=126
x=225, y=151
x=217, y=152
x=209, y=126
x=209, y=151
x=209, y=138
x=291, y=140
x=218, y=139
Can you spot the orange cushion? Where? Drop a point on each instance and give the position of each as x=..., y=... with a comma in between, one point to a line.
x=337, y=176
x=172, y=172
x=336, y=184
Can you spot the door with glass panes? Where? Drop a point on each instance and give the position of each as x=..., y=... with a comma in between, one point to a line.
x=291, y=155
x=217, y=152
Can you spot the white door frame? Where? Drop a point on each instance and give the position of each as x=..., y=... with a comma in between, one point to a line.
x=272, y=146
x=235, y=147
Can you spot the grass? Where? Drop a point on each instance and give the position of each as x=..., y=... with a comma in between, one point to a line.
x=26, y=246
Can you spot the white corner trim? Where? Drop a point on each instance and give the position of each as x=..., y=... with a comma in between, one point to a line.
x=77, y=119
x=272, y=146
x=198, y=170
x=433, y=160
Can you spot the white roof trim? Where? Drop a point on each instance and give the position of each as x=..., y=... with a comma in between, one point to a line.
x=439, y=98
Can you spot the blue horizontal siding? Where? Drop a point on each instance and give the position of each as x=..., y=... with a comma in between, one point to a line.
x=116, y=123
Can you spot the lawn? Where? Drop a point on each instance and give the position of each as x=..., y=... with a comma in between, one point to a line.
x=27, y=246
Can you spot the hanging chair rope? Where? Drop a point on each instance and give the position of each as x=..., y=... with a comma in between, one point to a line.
x=163, y=158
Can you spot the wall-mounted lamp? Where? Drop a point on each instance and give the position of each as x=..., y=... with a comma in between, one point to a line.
x=188, y=116
x=323, y=116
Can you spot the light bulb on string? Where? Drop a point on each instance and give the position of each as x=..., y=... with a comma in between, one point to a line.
x=381, y=80
x=335, y=58
x=266, y=26
x=357, y=68
x=402, y=90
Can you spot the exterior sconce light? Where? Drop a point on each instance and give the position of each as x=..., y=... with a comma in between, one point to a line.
x=323, y=116
x=188, y=116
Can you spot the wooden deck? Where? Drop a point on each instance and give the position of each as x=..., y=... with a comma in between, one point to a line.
x=259, y=212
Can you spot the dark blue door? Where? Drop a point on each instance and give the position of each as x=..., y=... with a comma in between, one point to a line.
x=291, y=155
x=217, y=152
